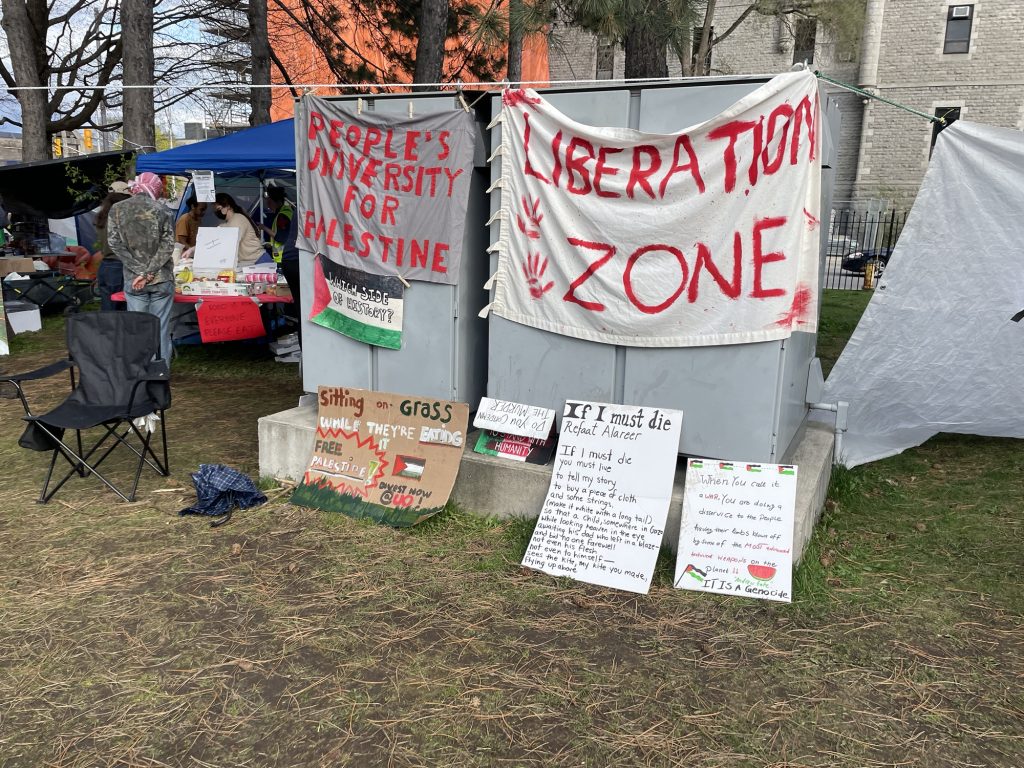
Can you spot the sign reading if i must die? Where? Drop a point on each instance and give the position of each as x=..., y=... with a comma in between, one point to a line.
x=604, y=515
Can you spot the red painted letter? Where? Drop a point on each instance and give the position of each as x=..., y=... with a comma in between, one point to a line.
x=761, y=258
x=570, y=295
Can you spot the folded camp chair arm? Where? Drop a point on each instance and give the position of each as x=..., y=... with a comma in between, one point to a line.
x=40, y=373
x=158, y=370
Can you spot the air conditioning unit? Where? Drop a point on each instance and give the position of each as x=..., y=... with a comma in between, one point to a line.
x=961, y=11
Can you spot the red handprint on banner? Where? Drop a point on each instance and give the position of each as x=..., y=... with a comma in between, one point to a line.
x=534, y=270
x=534, y=218
x=515, y=97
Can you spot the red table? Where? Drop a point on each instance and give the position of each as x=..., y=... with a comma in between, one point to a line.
x=262, y=298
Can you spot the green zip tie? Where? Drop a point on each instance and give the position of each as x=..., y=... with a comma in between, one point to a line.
x=876, y=97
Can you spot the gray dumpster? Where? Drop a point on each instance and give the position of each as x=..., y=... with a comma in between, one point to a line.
x=744, y=401
x=444, y=343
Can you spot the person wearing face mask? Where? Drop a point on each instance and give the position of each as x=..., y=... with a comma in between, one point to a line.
x=250, y=249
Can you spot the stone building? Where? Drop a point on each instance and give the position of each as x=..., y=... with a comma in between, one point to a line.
x=939, y=57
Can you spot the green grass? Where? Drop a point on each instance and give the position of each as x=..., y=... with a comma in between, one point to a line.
x=290, y=637
x=841, y=310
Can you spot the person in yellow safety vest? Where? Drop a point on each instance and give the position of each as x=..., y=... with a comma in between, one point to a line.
x=280, y=231
x=282, y=244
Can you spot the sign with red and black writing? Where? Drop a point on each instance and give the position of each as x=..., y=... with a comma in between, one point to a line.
x=392, y=458
x=383, y=193
x=706, y=236
x=362, y=306
x=736, y=534
x=230, y=319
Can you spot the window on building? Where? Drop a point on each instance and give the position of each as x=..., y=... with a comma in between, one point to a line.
x=605, y=69
x=698, y=32
x=959, y=19
x=950, y=114
x=804, y=33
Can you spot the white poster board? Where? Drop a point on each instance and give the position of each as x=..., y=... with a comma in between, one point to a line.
x=202, y=182
x=216, y=249
x=736, y=535
x=514, y=418
x=604, y=515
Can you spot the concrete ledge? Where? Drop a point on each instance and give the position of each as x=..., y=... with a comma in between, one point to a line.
x=493, y=487
x=286, y=442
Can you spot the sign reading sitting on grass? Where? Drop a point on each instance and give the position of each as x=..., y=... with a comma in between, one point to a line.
x=604, y=515
x=391, y=458
x=365, y=307
x=384, y=193
x=736, y=536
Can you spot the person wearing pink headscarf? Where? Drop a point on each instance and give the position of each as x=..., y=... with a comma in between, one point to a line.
x=140, y=232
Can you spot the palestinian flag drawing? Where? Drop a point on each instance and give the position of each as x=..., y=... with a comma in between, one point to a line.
x=753, y=467
x=696, y=464
x=409, y=466
x=365, y=307
x=695, y=572
x=784, y=470
x=725, y=465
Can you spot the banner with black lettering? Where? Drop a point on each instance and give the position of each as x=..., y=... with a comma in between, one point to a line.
x=706, y=236
x=384, y=193
x=365, y=307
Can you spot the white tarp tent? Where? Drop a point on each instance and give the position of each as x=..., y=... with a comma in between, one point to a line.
x=940, y=347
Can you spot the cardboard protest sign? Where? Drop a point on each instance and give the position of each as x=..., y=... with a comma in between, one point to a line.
x=604, y=515
x=515, y=447
x=514, y=418
x=383, y=193
x=391, y=458
x=515, y=431
x=216, y=250
x=706, y=236
x=736, y=535
x=366, y=307
x=229, y=320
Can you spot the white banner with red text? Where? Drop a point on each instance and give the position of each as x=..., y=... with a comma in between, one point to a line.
x=702, y=237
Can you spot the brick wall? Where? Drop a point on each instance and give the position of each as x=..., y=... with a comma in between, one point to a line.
x=987, y=83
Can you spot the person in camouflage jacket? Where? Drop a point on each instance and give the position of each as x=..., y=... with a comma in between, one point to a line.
x=140, y=232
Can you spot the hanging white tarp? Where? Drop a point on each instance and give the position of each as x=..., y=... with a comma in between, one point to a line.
x=940, y=347
x=706, y=236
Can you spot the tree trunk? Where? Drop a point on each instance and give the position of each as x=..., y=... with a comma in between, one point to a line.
x=137, y=37
x=515, y=42
x=433, y=29
x=646, y=54
x=22, y=23
x=259, y=98
x=700, y=64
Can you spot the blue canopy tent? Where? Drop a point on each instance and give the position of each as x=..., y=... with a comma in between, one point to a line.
x=266, y=151
x=241, y=163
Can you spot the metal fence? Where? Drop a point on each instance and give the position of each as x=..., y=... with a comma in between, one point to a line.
x=857, y=239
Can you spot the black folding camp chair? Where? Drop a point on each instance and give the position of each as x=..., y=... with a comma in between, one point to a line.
x=119, y=380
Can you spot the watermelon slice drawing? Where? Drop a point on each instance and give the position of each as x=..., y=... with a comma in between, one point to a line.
x=761, y=572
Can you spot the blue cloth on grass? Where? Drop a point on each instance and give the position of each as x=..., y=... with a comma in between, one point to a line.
x=219, y=489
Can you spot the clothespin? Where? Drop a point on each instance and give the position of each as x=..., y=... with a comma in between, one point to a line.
x=359, y=106
x=403, y=280
x=410, y=110
x=462, y=99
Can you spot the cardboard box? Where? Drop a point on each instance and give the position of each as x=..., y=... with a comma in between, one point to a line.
x=18, y=264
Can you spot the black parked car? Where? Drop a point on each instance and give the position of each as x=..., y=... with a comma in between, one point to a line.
x=857, y=261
